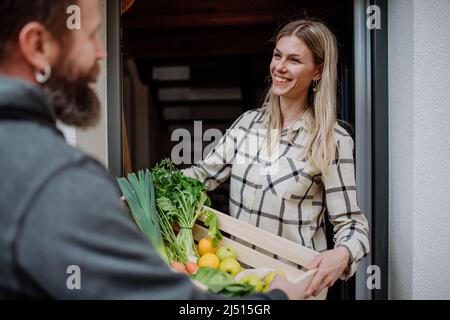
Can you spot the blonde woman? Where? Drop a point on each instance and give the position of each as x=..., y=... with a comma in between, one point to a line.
x=290, y=163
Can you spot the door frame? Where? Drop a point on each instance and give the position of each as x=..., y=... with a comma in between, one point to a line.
x=372, y=142
x=114, y=87
x=380, y=150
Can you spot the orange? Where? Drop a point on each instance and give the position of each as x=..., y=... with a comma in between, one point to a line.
x=205, y=246
x=191, y=267
x=209, y=260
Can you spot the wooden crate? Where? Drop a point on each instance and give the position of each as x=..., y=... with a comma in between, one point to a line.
x=284, y=248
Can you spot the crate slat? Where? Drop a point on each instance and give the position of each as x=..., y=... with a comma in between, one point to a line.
x=282, y=247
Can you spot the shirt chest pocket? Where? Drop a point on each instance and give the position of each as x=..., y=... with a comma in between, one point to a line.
x=290, y=179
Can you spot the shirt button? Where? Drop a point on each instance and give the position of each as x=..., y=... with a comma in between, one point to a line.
x=296, y=126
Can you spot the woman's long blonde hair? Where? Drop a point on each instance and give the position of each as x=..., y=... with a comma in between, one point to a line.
x=320, y=114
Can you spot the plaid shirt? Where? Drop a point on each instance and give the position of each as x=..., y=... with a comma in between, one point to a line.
x=286, y=196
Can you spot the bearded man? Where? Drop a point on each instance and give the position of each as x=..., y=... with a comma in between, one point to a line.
x=63, y=232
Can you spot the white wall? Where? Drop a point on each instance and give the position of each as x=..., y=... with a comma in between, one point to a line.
x=95, y=141
x=419, y=98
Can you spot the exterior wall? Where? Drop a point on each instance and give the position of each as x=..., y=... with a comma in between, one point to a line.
x=419, y=77
x=401, y=129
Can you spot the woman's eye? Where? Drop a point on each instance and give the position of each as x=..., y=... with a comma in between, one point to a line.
x=276, y=55
x=295, y=61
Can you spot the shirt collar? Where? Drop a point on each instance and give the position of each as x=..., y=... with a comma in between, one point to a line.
x=300, y=124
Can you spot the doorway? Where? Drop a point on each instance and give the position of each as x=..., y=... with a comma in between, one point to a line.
x=177, y=62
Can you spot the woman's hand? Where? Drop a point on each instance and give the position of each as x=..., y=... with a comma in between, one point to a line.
x=331, y=265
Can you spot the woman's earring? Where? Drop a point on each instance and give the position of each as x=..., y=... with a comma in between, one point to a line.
x=43, y=77
x=315, y=83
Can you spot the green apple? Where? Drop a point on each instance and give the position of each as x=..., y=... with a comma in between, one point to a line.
x=254, y=281
x=226, y=252
x=230, y=266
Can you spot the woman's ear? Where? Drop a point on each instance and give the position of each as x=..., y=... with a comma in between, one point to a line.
x=319, y=73
x=37, y=46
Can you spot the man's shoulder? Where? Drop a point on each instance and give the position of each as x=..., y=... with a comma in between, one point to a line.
x=79, y=193
x=36, y=157
x=81, y=177
x=40, y=147
x=35, y=143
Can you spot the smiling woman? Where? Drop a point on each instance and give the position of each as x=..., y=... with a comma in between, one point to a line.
x=298, y=168
x=305, y=60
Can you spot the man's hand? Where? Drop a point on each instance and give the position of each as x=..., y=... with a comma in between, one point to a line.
x=331, y=265
x=124, y=202
x=292, y=291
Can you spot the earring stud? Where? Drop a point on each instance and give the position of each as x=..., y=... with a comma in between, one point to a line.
x=43, y=77
x=315, y=83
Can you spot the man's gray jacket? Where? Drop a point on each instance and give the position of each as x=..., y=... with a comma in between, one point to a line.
x=63, y=232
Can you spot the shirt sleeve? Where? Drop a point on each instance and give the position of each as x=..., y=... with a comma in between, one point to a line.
x=216, y=167
x=77, y=224
x=350, y=225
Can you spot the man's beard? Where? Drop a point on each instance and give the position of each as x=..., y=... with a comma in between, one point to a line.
x=73, y=101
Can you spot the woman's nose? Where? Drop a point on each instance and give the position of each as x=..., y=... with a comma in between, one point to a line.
x=281, y=66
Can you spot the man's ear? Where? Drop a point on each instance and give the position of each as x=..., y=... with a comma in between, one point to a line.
x=319, y=73
x=37, y=46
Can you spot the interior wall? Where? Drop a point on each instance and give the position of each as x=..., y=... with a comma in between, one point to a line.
x=137, y=113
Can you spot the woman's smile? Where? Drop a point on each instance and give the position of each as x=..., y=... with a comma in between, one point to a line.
x=279, y=80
